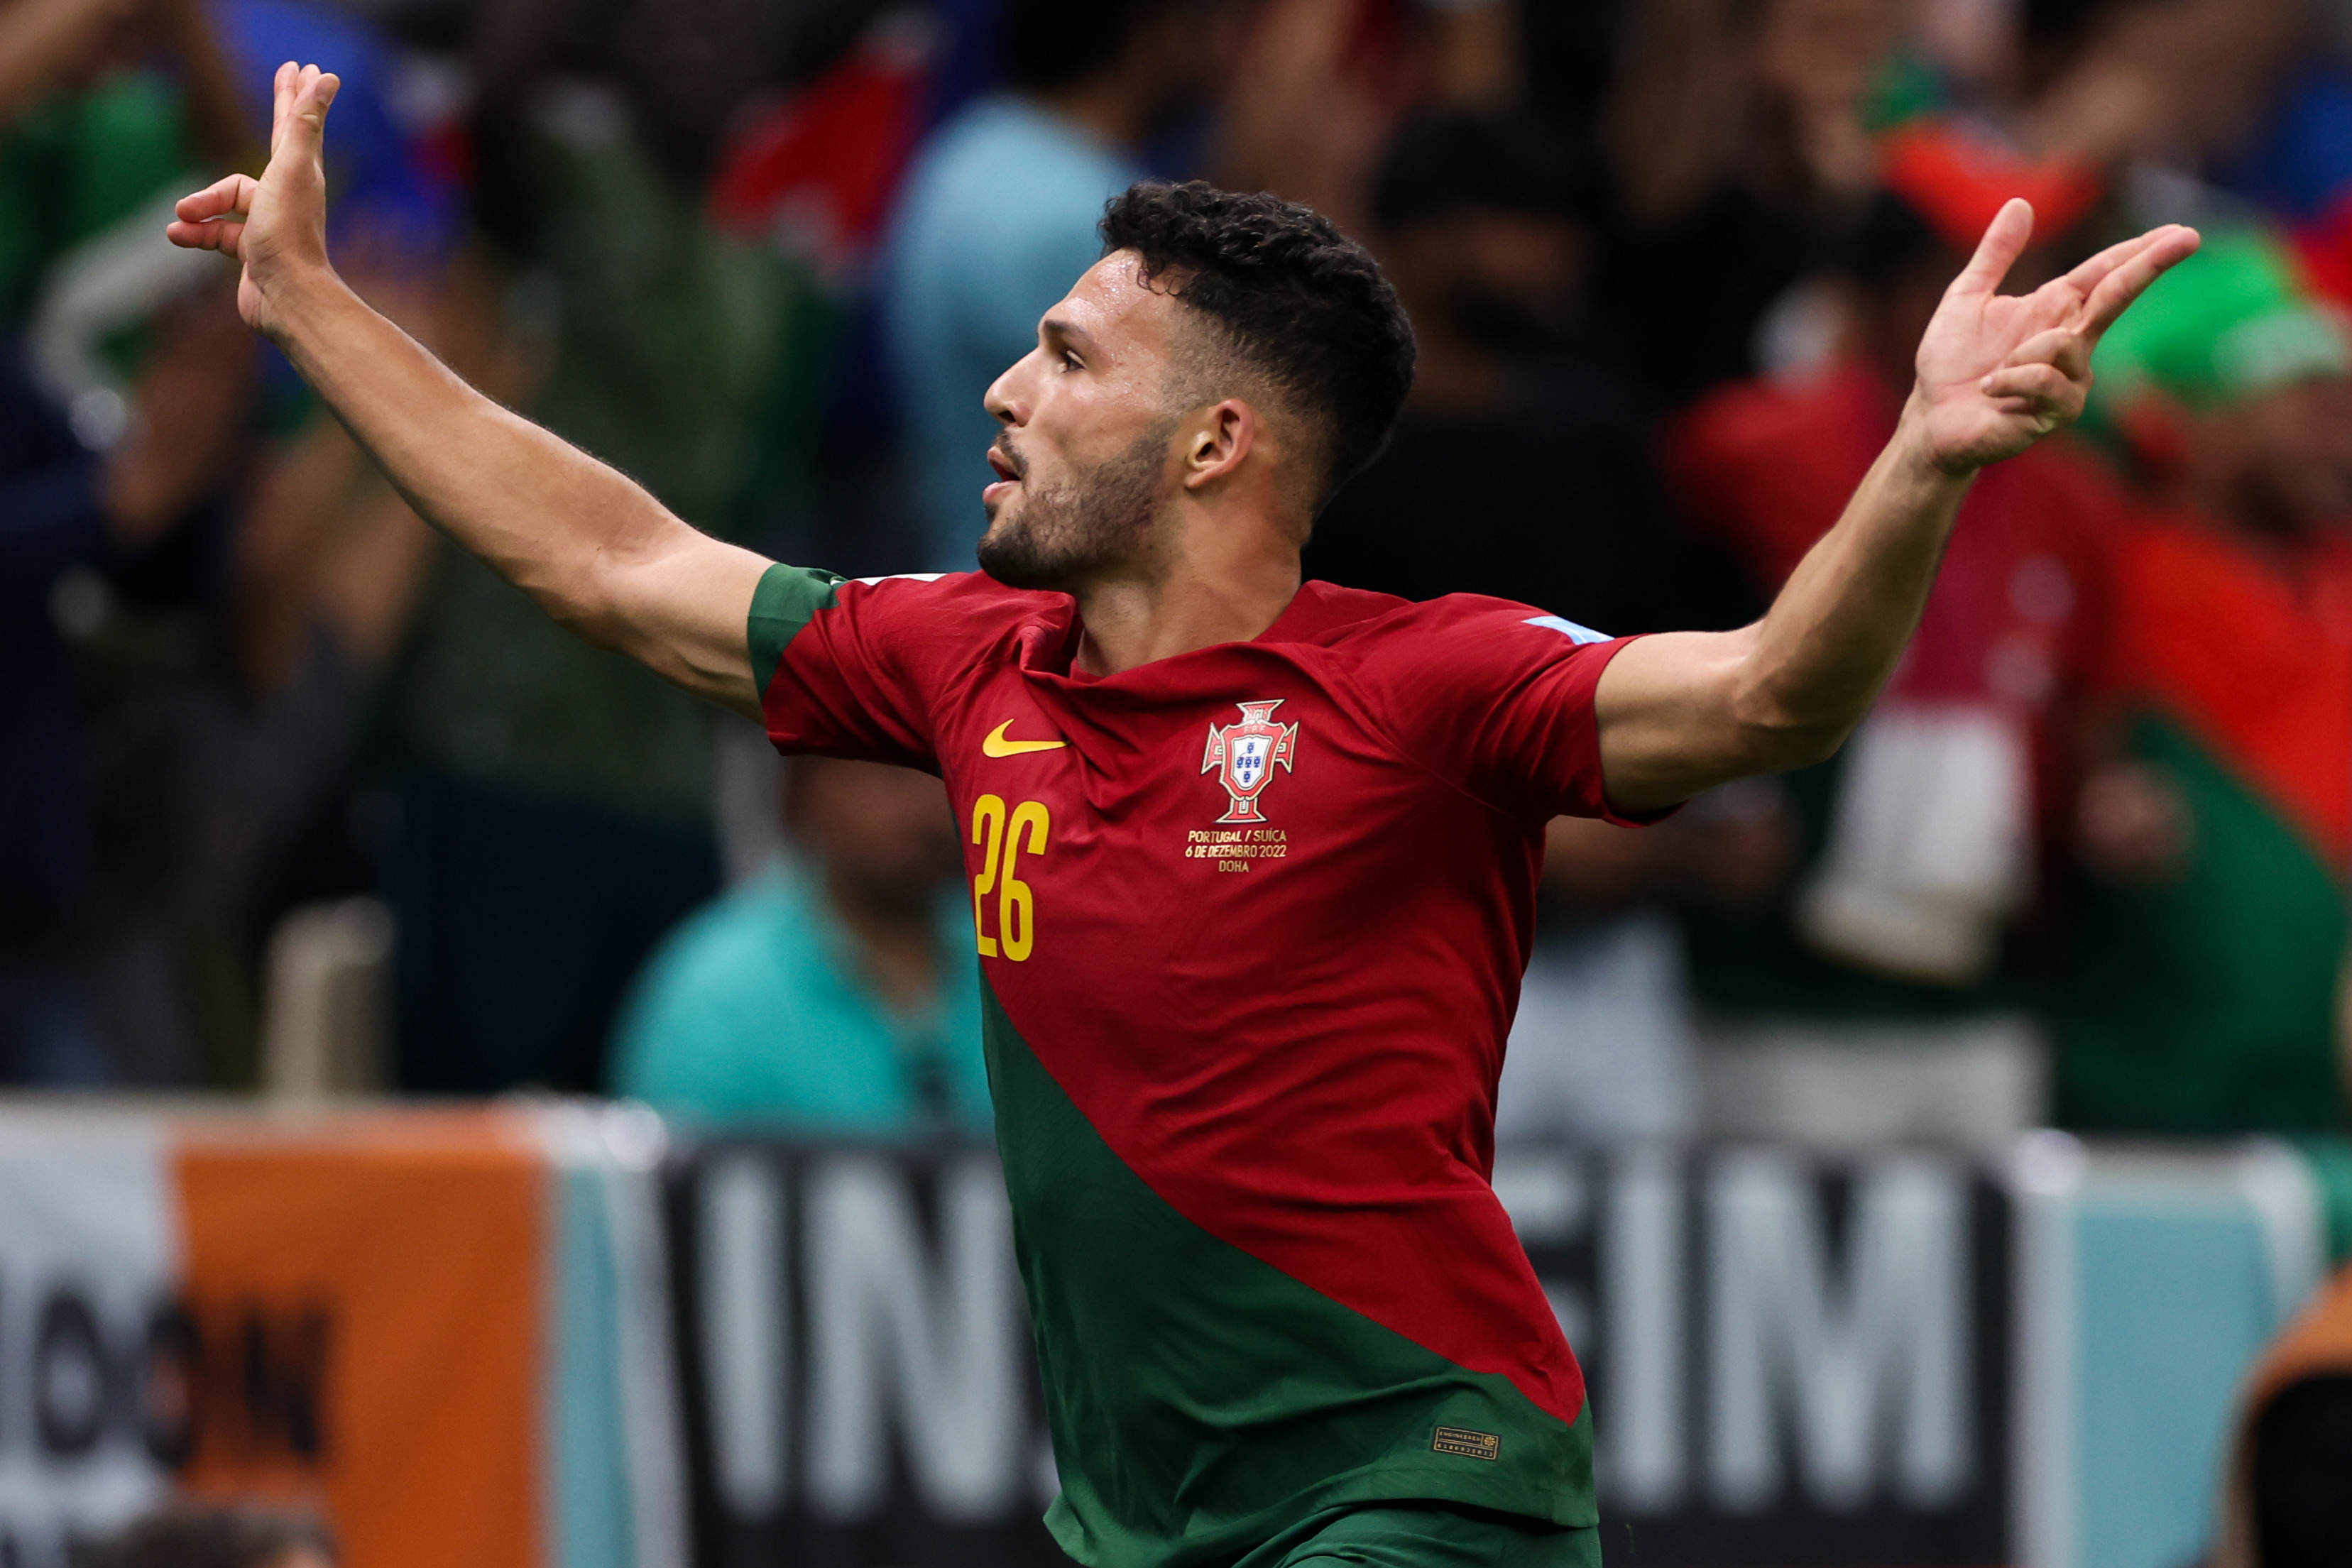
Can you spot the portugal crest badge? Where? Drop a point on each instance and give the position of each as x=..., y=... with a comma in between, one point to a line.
x=1243, y=756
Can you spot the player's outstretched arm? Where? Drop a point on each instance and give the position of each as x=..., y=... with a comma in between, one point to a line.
x=594, y=550
x=1685, y=711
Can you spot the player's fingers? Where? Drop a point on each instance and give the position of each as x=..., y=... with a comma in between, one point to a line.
x=296, y=86
x=225, y=237
x=2166, y=248
x=2062, y=347
x=2041, y=385
x=305, y=124
x=2003, y=242
x=230, y=194
x=281, y=98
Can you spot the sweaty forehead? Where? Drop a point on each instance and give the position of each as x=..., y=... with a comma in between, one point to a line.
x=1124, y=316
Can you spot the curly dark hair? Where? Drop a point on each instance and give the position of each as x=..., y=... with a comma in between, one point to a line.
x=1293, y=298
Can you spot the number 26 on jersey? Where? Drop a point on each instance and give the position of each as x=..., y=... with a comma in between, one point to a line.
x=1002, y=838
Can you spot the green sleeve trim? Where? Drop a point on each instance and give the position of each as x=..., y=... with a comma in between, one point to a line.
x=787, y=599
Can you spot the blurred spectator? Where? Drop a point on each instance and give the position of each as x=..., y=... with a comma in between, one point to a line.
x=94, y=130
x=223, y=669
x=1318, y=87
x=835, y=993
x=63, y=511
x=997, y=217
x=1522, y=465
x=330, y=566
x=1478, y=53
x=1604, y=1045
x=555, y=814
x=195, y=1535
x=2187, y=82
x=2062, y=98
x=2299, y=164
x=1887, y=950
x=239, y=756
x=1740, y=144
x=814, y=176
x=2216, y=818
x=1522, y=469
x=124, y=390
x=815, y=171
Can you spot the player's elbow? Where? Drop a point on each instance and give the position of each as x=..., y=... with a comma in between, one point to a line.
x=1774, y=734
x=608, y=596
x=1802, y=745
x=578, y=595
x=595, y=605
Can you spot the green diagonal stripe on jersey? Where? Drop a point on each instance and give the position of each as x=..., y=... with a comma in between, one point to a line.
x=787, y=599
x=1201, y=1399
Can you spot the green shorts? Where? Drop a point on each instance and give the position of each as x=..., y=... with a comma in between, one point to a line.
x=1427, y=1535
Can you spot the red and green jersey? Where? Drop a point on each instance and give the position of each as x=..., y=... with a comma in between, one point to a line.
x=1251, y=923
x=2205, y=1000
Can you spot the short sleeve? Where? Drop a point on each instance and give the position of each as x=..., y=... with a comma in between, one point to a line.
x=859, y=668
x=1495, y=698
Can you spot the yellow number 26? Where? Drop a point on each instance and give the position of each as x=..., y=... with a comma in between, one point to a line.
x=1002, y=842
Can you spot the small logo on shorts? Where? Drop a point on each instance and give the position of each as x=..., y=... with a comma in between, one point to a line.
x=1468, y=1444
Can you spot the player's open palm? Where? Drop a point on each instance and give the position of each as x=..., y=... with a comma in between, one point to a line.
x=1997, y=372
x=276, y=226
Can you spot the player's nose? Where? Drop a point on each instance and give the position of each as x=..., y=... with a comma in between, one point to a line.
x=1005, y=398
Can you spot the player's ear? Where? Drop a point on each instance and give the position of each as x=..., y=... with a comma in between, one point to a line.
x=1218, y=441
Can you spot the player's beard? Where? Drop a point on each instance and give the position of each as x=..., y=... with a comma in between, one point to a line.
x=1064, y=536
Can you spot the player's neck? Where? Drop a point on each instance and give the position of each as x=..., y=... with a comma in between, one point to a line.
x=1193, y=604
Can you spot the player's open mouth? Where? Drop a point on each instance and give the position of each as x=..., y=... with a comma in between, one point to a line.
x=1008, y=476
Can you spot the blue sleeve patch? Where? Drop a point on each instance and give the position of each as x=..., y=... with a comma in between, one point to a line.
x=1568, y=629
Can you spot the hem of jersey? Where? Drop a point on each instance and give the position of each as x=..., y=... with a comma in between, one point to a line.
x=1392, y=1481
x=786, y=599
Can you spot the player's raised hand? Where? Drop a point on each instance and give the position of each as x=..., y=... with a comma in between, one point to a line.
x=1997, y=372
x=276, y=226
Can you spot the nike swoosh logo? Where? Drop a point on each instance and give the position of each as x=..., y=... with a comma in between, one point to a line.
x=997, y=745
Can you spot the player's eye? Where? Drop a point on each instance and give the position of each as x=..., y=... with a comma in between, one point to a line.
x=1071, y=362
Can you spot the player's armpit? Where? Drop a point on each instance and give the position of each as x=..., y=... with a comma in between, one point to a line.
x=1679, y=715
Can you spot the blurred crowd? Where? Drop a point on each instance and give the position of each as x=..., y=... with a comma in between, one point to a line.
x=294, y=793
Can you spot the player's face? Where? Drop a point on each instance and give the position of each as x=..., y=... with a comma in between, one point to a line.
x=1084, y=459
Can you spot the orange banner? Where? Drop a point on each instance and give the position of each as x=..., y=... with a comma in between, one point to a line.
x=343, y=1278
